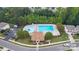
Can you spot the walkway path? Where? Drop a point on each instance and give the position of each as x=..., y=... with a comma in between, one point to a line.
x=69, y=36
x=73, y=46
x=36, y=28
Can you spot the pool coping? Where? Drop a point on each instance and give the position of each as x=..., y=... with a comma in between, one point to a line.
x=55, y=32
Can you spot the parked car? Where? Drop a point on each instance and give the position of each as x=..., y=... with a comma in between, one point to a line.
x=66, y=45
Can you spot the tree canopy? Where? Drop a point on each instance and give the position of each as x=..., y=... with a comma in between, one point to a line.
x=28, y=15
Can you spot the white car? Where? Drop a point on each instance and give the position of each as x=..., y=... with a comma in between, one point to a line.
x=66, y=44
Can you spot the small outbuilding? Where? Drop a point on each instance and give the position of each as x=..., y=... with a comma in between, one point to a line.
x=37, y=37
x=4, y=26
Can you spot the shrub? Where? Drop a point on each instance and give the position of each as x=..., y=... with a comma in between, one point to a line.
x=48, y=36
x=1, y=47
x=22, y=34
x=60, y=27
x=77, y=33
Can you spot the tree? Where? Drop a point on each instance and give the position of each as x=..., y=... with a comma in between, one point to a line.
x=26, y=15
x=44, y=12
x=30, y=19
x=61, y=15
x=71, y=16
x=22, y=21
x=22, y=34
x=27, y=11
x=60, y=27
x=48, y=36
x=42, y=19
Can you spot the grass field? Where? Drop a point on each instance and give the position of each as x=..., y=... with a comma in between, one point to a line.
x=1, y=35
x=76, y=37
x=25, y=41
x=69, y=50
x=62, y=37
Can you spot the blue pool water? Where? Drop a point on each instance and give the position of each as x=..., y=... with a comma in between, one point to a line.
x=40, y=28
x=45, y=28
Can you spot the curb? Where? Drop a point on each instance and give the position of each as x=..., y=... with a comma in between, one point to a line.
x=34, y=46
x=2, y=37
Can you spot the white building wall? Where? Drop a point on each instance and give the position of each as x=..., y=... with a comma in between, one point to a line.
x=6, y=27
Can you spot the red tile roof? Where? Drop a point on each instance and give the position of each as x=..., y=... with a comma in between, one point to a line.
x=37, y=36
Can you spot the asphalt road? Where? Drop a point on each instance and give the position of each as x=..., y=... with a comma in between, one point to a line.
x=15, y=47
x=77, y=44
x=59, y=47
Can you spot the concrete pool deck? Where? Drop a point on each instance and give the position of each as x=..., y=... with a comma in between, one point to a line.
x=34, y=27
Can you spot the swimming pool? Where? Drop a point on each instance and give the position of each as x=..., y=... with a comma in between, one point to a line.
x=45, y=28
x=40, y=28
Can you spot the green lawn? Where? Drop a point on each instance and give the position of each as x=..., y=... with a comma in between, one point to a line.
x=69, y=50
x=62, y=37
x=1, y=35
x=1, y=47
x=76, y=37
x=24, y=41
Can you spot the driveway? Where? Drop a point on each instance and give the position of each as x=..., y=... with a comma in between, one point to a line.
x=10, y=34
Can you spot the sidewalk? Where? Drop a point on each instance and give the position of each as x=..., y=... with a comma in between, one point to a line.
x=75, y=49
x=69, y=36
x=36, y=46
